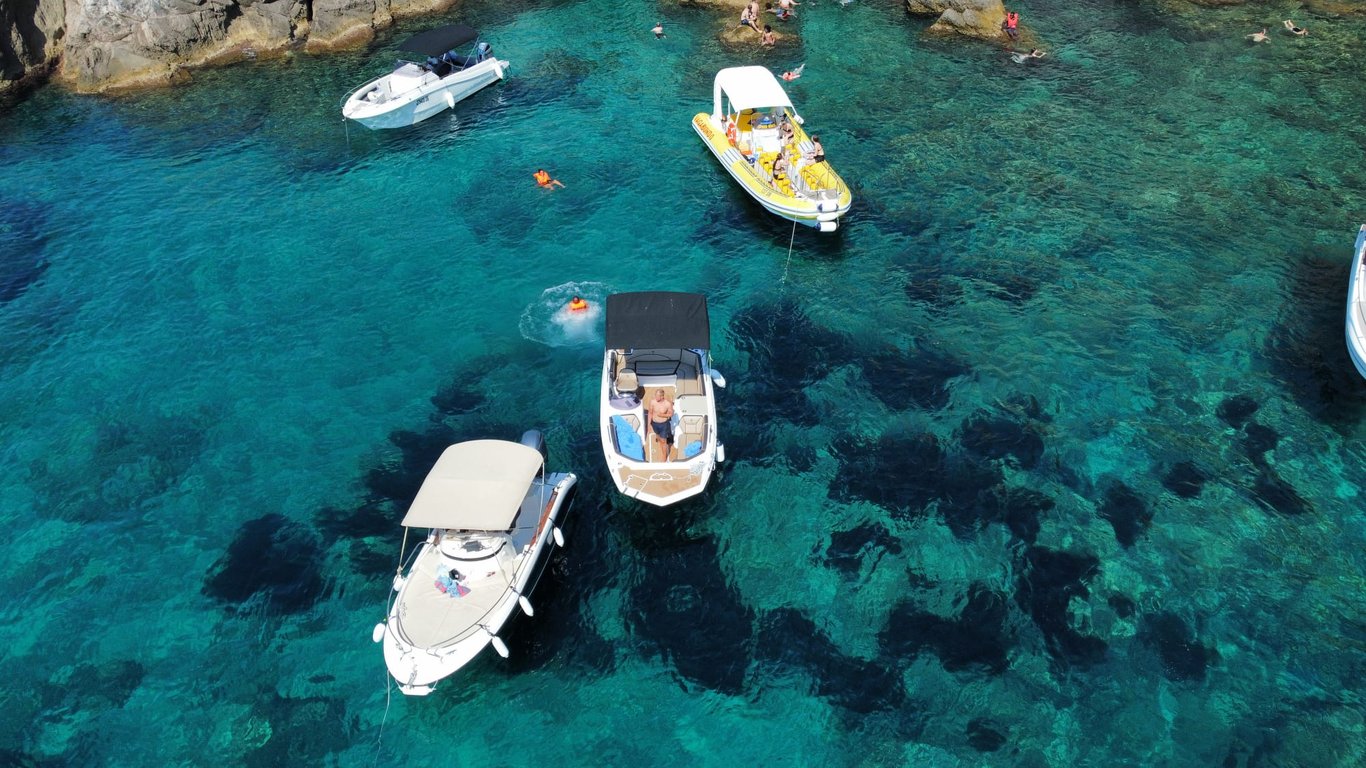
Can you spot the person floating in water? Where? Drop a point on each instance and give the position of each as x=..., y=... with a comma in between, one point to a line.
x=543, y=179
x=577, y=304
x=1011, y=25
x=658, y=30
x=1021, y=58
x=1292, y=29
x=793, y=74
x=1259, y=37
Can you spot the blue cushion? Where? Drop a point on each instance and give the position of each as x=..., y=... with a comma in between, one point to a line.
x=692, y=449
x=628, y=442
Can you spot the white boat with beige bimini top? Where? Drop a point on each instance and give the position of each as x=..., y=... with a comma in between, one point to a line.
x=658, y=409
x=493, y=514
x=757, y=135
x=1356, y=304
x=415, y=90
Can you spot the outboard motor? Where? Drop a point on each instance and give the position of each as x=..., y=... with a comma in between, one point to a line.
x=532, y=438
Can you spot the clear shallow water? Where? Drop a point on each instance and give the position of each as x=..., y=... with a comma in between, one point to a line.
x=1050, y=457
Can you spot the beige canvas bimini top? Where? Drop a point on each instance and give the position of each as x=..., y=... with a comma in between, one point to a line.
x=478, y=485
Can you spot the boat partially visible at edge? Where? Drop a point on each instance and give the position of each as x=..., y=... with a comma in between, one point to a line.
x=416, y=90
x=493, y=514
x=1356, y=304
x=743, y=131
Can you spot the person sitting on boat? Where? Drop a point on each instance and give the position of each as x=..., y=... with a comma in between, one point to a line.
x=543, y=179
x=779, y=167
x=786, y=130
x=817, y=151
x=661, y=422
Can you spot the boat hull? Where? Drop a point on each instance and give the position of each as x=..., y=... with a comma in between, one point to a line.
x=658, y=482
x=417, y=668
x=418, y=103
x=1356, y=305
x=823, y=215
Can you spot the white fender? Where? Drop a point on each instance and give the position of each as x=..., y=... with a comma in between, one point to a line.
x=717, y=378
x=378, y=634
x=526, y=605
x=720, y=452
x=498, y=68
x=450, y=100
x=559, y=537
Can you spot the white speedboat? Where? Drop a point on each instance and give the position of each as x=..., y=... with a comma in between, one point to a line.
x=657, y=346
x=1356, y=305
x=758, y=138
x=493, y=515
x=415, y=91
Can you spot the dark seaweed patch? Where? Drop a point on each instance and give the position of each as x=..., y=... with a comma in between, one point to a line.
x=970, y=495
x=22, y=244
x=304, y=731
x=399, y=481
x=685, y=608
x=788, y=638
x=996, y=437
x=1123, y=606
x=785, y=346
x=976, y=638
x=92, y=688
x=1277, y=495
x=848, y=549
x=1305, y=348
x=1048, y=581
x=1022, y=510
x=900, y=473
x=457, y=398
x=1182, y=657
x=1235, y=411
x=928, y=284
x=983, y=737
x=1127, y=513
x=917, y=378
x=1185, y=479
x=1013, y=288
x=1258, y=440
x=273, y=556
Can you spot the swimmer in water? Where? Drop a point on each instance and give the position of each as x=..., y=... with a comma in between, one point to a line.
x=658, y=30
x=791, y=75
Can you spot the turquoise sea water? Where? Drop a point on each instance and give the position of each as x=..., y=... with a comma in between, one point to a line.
x=1051, y=456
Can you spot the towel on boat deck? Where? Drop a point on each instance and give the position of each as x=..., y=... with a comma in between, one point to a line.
x=451, y=587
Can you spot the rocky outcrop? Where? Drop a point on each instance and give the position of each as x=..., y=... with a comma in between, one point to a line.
x=30, y=36
x=96, y=45
x=974, y=18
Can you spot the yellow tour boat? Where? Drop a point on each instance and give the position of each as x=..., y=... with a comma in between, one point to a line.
x=748, y=131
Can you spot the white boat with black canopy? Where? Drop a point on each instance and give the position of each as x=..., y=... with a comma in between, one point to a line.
x=658, y=407
x=457, y=64
x=1356, y=304
x=493, y=514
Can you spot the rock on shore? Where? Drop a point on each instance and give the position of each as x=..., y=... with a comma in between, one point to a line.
x=974, y=18
x=97, y=45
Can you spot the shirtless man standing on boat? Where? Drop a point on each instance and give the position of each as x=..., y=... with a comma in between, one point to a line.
x=661, y=422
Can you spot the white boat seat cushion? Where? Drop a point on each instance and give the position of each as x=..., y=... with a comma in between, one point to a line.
x=626, y=380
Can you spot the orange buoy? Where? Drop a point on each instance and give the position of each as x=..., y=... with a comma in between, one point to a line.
x=577, y=304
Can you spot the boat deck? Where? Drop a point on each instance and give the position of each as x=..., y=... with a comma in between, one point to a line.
x=657, y=482
x=429, y=617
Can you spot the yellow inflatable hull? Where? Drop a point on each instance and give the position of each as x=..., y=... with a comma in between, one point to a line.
x=822, y=201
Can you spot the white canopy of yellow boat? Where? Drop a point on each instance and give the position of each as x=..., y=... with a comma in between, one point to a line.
x=745, y=131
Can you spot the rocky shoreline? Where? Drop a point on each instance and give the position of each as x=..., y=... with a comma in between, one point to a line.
x=95, y=46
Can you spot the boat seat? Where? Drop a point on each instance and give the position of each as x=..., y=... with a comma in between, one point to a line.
x=688, y=386
x=626, y=382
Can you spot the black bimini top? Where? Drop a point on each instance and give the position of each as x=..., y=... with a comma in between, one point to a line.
x=435, y=42
x=657, y=319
